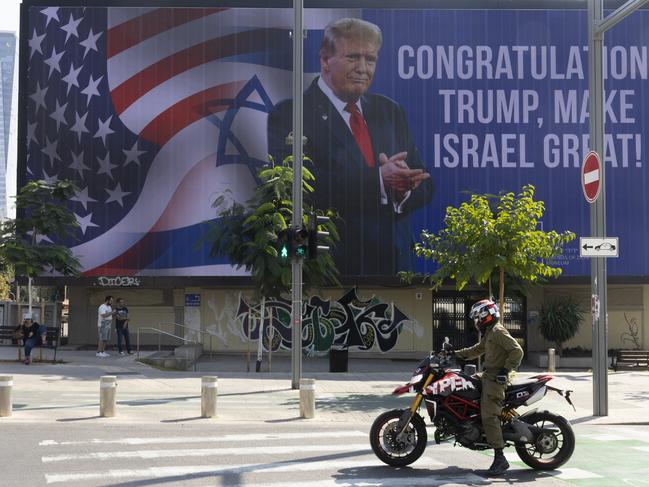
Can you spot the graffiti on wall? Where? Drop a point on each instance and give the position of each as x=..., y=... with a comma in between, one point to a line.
x=347, y=322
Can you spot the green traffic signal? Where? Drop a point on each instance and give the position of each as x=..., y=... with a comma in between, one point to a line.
x=284, y=252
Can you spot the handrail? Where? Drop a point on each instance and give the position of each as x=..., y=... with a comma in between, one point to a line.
x=160, y=333
x=194, y=330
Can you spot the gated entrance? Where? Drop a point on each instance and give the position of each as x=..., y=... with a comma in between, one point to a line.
x=451, y=318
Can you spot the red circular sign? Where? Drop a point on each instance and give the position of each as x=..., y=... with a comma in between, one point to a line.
x=591, y=174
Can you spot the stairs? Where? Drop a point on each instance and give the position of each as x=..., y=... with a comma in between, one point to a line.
x=183, y=357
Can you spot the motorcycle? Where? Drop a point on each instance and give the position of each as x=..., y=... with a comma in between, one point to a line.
x=543, y=440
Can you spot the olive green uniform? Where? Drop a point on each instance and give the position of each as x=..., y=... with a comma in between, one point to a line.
x=501, y=351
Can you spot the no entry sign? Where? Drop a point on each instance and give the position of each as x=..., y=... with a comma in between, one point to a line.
x=591, y=172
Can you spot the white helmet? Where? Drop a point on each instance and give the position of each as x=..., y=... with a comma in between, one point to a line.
x=484, y=313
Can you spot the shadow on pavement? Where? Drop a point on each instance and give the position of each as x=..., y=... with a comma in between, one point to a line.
x=377, y=476
x=69, y=420
x=234, y=475
x=182, y=420
x=359, y=403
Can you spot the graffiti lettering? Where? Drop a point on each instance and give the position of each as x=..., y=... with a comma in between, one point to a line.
x=119, y=281
x=348, y=322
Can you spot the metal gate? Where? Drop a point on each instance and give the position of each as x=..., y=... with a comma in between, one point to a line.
x=451, y=318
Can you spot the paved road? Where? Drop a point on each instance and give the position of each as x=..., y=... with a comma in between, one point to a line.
x=201, y=453
x=55, y=436
x=205, y=453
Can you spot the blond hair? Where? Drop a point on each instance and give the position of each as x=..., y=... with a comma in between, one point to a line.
x=349, y=28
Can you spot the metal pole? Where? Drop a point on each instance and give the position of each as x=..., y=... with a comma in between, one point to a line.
x=598, y=209
x=296, y=315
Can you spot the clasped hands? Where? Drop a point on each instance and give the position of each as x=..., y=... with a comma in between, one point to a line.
x=397, y=177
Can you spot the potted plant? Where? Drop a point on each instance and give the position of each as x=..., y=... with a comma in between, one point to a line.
x=559, y=320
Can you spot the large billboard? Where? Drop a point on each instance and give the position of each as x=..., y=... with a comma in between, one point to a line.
x=155, y=112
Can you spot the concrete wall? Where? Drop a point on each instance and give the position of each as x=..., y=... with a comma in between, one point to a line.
x=628, y=305
x=217, y=311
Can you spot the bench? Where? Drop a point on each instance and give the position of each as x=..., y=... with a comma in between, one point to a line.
x=631, y=360
x=8, y=333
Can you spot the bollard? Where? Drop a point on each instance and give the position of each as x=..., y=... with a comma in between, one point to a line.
x=209, y=393
x=107, y=395
x=6, y=384
x=551, y=360
x=307, y=398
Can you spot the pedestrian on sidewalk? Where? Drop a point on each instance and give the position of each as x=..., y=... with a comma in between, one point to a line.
x=104, y=322
x=121, y=326
x=33, y=335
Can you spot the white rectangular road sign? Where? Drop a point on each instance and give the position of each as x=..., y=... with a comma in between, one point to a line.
x=598, y=247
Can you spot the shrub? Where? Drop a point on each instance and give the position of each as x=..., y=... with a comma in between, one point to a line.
x=559, y=320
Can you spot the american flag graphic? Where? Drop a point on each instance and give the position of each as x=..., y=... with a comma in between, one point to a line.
x=154, y=113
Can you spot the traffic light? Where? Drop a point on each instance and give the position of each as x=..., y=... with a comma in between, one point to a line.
x=285, y=243
x=316, y=236
x=301, y=242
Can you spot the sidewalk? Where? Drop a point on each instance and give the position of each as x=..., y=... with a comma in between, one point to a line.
x=69, y=391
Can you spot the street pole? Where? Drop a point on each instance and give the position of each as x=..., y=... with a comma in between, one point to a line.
x=296, y=265
x=598, y=209
x=597, y=26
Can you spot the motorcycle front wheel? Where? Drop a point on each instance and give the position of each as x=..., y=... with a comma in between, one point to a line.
x=398, y=450
x=553, y=446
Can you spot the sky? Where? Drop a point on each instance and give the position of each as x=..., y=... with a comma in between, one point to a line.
x=9, y=20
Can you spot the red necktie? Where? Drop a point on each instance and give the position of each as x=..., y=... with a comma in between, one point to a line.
x=361, y=134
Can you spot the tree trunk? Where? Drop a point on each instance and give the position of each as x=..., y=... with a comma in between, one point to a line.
x=260, y=345
x=501, y=295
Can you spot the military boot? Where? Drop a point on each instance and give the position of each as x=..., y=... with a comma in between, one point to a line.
x=499, y=465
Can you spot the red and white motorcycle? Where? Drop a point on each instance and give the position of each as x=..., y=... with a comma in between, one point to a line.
x=543, y=440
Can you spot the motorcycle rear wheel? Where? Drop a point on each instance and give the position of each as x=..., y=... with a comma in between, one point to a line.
x=398, y=452
x=557, y=446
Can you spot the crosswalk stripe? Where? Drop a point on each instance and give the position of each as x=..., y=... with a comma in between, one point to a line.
x=206, y=452
x=572, y=474
x=211, y=439
x=273, y=467
x=470, y=479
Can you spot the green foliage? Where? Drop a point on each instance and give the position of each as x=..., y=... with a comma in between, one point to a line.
x=559, y=320
x=41, y=212
x=247, y=235
x=493, y=235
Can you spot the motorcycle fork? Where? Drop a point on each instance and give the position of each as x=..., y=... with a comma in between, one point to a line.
x=409, y=413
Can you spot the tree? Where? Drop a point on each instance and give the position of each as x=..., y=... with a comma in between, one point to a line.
x=559, y=320
x=248, y=235
x=493, y=236
x=41, y=213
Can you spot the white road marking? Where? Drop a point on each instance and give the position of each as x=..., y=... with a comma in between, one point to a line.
x=211, y=439
x=273, y=467
x=572, y=474
x=469, y=479
x=206, y=452
x=606, y=437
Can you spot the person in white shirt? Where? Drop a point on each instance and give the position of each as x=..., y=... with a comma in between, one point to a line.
x=104, y=322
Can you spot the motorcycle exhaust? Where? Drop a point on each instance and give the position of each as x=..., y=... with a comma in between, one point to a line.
x=518, y=431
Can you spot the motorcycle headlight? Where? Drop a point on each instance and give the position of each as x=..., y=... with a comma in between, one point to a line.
x=415, y=379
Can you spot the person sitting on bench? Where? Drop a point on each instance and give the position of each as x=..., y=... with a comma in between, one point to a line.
x=33, y=335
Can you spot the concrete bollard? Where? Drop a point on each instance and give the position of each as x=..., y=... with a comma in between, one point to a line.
x=552, y=363
x=6, y=385
x=209, y=393
x=107, y=395
x=307, y=398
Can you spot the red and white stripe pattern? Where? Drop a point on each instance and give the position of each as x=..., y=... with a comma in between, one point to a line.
x=169, y=70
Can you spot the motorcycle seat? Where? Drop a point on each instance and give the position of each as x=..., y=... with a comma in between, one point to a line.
x=521, y=385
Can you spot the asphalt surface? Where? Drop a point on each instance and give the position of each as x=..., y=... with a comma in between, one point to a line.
x=56, y=437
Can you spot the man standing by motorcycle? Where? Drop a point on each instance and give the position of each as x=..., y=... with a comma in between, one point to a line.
x=503, y=355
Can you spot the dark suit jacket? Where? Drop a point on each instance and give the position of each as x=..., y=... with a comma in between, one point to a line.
x=375, y=240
